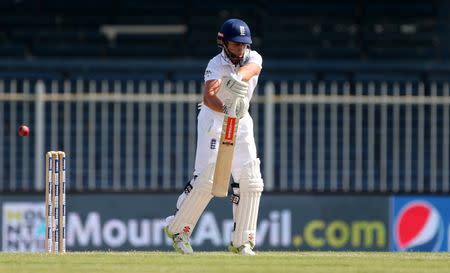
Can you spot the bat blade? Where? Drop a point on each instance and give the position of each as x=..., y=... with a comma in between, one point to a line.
x=222, y=171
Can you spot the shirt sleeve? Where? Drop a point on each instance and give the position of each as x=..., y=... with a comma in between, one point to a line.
x=255, y=58
x=212, y=71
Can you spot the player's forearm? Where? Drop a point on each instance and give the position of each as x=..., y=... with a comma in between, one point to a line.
x=213, y=102
x=209, y=96
x=248, y=71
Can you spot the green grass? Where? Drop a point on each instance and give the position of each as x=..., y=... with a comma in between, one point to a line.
x=124, y=262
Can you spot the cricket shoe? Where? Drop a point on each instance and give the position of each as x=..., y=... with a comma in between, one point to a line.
x=244, y=250
x=181, y=242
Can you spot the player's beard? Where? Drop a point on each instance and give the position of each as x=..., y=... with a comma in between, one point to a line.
x=235, y=59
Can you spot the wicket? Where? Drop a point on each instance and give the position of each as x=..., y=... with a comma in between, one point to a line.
x=55, y=202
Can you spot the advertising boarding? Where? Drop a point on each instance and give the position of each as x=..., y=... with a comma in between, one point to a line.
x=124, y=222
x=420, y=223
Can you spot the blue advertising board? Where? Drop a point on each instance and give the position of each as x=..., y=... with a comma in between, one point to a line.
x=420, y=223
x=135, y=222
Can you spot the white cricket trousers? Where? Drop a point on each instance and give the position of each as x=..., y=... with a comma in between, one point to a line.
x=208, y=137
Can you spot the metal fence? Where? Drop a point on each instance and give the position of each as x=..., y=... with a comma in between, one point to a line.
x=127, y=135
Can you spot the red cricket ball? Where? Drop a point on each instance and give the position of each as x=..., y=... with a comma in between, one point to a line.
x=24, y=130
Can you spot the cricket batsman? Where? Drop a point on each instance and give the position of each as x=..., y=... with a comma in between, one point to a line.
x=230, y=79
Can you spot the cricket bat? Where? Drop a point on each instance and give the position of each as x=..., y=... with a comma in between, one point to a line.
x=222, y=171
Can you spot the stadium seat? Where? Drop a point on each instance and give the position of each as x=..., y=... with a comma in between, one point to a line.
x=122, y=77
x=67, y=50
x=386, y=77
x=12, y=50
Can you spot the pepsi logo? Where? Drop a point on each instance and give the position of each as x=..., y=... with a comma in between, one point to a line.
x=418, y=227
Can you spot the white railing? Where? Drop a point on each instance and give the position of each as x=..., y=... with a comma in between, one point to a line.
x=140, y=135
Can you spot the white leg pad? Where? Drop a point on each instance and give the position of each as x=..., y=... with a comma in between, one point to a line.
x=191, y=204
x=247, y=196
